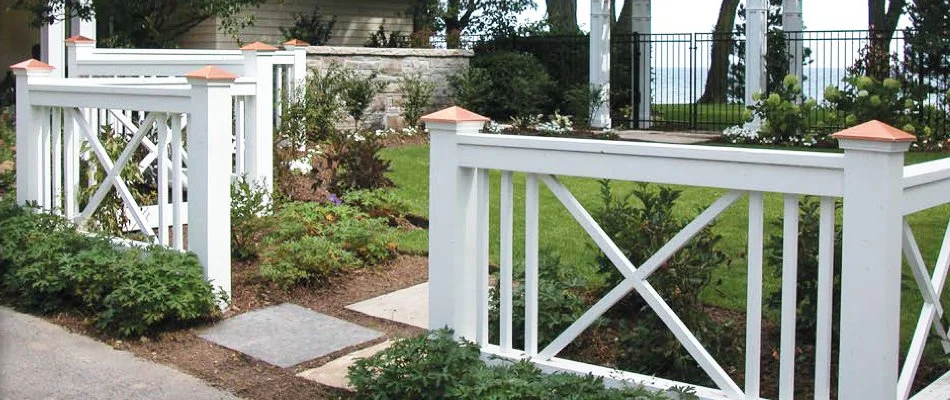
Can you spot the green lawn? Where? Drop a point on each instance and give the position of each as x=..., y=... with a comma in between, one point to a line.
x=559, y=232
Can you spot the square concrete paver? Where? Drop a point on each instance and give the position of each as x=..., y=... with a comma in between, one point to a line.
x=409, y=306
x=287, y=334
x=333, y=373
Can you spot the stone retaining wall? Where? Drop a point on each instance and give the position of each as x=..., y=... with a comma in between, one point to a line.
x=435, y=65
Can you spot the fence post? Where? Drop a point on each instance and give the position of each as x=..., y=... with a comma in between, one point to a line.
x=77, y=47
x=209, y=173
x=29, y=164
x=299, y=47
x=600, y=20
x=871, y=260
x=259, y=147
x=452, y=212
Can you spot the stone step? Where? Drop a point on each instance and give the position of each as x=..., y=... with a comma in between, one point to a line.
x=333, y=373
x=408, y=306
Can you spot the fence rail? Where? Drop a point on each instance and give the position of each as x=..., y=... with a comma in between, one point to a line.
x=877, y=191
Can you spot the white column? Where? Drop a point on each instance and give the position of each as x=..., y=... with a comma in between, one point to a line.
x=77, y=48
x=871, y=261
x=29, y=162
x=756, y=27
x=792, y=24
x=259, y=145
x=209, y=173
x=83, y=27
x=452, y=224
x=52, y=49
x=600, y=20
x=642, y=25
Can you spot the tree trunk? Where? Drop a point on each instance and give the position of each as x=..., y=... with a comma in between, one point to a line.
x=624, y=25
x=716, y=90
x=562, y=16
x=882, y=22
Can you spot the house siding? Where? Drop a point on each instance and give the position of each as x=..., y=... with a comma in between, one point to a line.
x=355, y=21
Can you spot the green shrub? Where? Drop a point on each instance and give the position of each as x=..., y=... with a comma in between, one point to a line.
x=378, y=203
x=582, y=101
x=783, y=118
x=435, y=366
x=359, y=93
x=47, y=265
x=864, y=98
x=250, y=202
x=470, y=89
x=416, y=98
x=7, y=157
x=395, y=39
x=310, y=243
x=520, y=85
x=313, y=28
x=354, y=162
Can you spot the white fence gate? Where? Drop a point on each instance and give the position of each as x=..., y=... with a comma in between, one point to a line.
x=878, y=193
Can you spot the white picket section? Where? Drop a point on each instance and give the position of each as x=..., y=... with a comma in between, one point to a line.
x=54, y=124
x=869, y=177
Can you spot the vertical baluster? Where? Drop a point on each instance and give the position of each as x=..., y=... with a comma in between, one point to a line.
x=505, y=277
x=46, y=201
x=481, y=256
x=754, y=296
x=531, y=266
x=57, y=143
x=239, y=136
x=177, y=209
x=826, y=265
x=162, y=154
x=70, y=163
x=789, y=297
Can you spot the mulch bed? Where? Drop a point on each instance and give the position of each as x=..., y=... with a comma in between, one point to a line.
x=252, y=379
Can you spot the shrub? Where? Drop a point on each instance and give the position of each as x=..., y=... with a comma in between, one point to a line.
x=395, y=39
x=378, y=203
x=864, y=98
x=783, y=118
x=640, y=223
x=583, y=100
x=47, y=265
x=520, y=85
x=352, y=162
x=7, y=157
x=435, y=366
x=417, y=97
x=313, y=28
x=250, y=202
x=310, y=242
x=470, y=89
x=359, y=93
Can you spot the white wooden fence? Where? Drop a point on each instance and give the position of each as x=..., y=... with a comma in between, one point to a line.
x=53, y=123
x=877, y=190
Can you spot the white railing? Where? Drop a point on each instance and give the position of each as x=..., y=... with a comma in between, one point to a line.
x=177, y=126
x=870, y=177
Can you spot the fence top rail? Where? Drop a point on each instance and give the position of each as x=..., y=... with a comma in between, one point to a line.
x=163, y=56
x=833, y=161
x=928, y=172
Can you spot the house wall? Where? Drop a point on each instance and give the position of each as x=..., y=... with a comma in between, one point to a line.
x=435, y=65
x=355, y=21
x=17, y=38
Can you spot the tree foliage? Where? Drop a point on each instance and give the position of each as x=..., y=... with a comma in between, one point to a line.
x=929, y=41
x=460, y=17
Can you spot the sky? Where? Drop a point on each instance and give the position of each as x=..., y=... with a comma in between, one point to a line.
x=668, y=15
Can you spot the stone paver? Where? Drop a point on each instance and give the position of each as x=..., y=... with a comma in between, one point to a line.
x=409, y=306
x=333, y=373
x=667, y=137
x=287, y=334
x=40, y=360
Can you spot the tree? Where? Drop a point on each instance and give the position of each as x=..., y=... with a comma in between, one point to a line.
x=458, y=17
x=716, y=88
x=145, y=23
x=882, y=22
x=929, y=42
x=562, y=16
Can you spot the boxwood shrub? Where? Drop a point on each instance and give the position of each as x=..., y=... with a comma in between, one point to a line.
x=47, y=265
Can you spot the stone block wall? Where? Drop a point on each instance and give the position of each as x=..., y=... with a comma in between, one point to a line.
x=391, y=65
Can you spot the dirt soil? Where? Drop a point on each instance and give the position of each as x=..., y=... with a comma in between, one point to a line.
x=252, y=379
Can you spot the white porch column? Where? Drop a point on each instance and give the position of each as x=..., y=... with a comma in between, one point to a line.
x=82, y=27
x=259, y=153
x=600, y=20
x=209, y=173
x=642, y=26
x=52, y=48
x=792, y=24
x=871, y=260
x=452, y=212
x=29, y=129
x=756, y=27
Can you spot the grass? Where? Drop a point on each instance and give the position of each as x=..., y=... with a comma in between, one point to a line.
x=559, y=232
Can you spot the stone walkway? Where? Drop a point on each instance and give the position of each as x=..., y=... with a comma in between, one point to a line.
x=667, y=137
x=40, y=360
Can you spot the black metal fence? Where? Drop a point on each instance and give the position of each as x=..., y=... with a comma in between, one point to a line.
x=686, y=95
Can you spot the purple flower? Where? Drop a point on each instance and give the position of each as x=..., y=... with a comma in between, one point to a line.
x=334, y=199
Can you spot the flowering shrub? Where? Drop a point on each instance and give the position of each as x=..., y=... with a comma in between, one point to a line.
x=557, y=125
x=864, y=98
x=783, y=118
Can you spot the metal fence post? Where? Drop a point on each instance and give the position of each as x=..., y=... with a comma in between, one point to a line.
x=871, y=260
x=452, y=213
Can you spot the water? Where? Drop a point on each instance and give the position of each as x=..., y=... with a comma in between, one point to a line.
x=685, y=85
